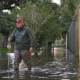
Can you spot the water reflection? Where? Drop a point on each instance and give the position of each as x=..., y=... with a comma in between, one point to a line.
x=58, y=69
x=16, y=75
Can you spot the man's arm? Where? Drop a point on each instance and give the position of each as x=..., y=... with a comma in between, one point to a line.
x=30, y=39
x=12, y=38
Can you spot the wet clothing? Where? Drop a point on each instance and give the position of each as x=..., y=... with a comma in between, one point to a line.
x=19, y=55
x=22, y=38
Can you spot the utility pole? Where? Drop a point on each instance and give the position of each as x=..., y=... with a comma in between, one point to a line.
x=79, y=33
x=78, y=41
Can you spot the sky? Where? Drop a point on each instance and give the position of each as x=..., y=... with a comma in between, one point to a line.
x=57, y=1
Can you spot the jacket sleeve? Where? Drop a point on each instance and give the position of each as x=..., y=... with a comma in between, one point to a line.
x=30, y=36
x=12, y=36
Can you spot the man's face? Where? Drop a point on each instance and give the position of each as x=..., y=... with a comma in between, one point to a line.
x=19, y=24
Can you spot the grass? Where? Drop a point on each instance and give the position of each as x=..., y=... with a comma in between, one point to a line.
x=5, y=50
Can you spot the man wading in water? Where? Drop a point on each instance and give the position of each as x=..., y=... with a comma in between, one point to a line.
x=22, y=38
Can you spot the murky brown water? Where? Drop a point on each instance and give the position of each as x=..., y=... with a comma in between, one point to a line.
x=61, y=67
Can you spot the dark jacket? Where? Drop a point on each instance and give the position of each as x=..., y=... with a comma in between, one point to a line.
x=22, y=38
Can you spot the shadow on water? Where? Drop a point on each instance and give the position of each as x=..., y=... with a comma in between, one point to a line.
x=59, y=68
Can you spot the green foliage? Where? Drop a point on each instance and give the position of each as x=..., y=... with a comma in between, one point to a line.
x=41, y=18
x=6, y=23
x=47, y=20
x=6, y=4
x=68, y=8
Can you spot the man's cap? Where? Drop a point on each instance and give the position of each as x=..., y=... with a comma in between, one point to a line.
x=19, y=20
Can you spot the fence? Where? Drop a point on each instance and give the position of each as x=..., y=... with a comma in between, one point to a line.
x=72, y=35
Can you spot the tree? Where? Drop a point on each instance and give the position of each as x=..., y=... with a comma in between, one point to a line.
x=6, y=22
x=67, y=11
x=41, y=18
x=6, y=4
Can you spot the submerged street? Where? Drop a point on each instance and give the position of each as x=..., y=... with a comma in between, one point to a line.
x=49, y=29
x=62, y=67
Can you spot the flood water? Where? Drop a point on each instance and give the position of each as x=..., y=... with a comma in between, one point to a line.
x=64, y=66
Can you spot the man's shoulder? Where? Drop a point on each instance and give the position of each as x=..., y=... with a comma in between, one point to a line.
x=14, y=29
x=26, y=27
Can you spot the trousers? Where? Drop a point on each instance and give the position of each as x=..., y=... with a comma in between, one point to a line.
x=22, y=55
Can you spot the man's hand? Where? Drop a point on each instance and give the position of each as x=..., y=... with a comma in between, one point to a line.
x=9, y=46
x=31, y=49
x=9, y=39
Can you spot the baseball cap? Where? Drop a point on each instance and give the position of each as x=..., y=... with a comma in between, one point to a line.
x=19, y=20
